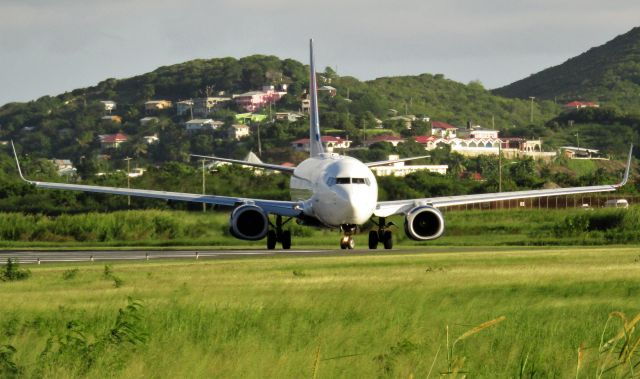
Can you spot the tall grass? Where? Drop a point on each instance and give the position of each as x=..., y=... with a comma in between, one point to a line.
x=356, y=316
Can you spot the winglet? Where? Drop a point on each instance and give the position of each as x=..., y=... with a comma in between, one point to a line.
x=627, y=170
x=17, y=162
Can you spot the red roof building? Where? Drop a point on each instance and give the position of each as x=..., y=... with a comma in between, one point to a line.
x=112, y=141
x=442, y=129
x=581, y=104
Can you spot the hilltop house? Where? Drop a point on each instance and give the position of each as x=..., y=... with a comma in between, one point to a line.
x=329, y=142
x=203, y=106
x=202, y=124
x=156, y=105
x=112, y=141
x=108, y=105
x=568, y=107
x=443, y=130
x=238, y=131
x=146, y=120
x=254, y=100
x=64, y=167
x=183, y=107
x=112, y=118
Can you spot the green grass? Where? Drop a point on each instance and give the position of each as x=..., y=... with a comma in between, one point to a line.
x=175, y=229
x=369, y=315
x=582, y=167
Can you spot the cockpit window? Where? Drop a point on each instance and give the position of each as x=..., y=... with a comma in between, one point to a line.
x=333, y=181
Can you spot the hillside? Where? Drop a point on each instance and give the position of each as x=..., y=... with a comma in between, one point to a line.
x=609, y=74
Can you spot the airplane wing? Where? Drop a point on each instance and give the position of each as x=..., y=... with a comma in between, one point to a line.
x=391, y=161
x=283, y=208
x=246, y=163
x=389, y=208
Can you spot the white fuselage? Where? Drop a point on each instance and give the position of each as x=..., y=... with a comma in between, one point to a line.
x=336, y=190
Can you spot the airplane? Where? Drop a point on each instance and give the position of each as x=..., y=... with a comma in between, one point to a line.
x=333, y=191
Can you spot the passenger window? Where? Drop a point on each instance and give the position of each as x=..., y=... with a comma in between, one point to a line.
x=343, y=180
x=358, y=181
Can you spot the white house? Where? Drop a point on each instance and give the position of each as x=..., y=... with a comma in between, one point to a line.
x=238, y=131
x=202, y=124
x=184, y=106
x=108, y=105
x=400, y=169
x=64, y=167
x=443, y=130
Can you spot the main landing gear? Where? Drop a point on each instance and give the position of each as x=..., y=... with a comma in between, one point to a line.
x=276, y=234
x=382, y=235
x=347, y=241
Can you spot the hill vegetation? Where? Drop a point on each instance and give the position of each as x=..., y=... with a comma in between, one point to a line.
x=609, y=74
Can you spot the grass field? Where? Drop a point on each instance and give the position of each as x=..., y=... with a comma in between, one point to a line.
x=358, y=316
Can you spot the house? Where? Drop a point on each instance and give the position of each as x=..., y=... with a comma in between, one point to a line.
x=204, y=106
x=305, y=105
x=64, y=167
x=254, y=100
x=328, y=142
x=108, y=105
x=331, y=91
x=112, y=118
x=156, y=105
x=572, y=152
x=394, y=140
x=112, y=141
x=443, y=130
x=202, y=124
x=400, y=169
x=484, y=133
x=579, y=105
x=146, y=120
x=184, y=106
x=136, y=172
x=288, y=116
x=245, y=118
x=150, y=140
x=238, y=131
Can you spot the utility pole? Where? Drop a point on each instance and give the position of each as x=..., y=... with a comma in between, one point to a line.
x=532, y=98
x=128, y=159
x=500, y=167
x=204, y=187
x=259, y=142
x=364, y=133
x=578, y=139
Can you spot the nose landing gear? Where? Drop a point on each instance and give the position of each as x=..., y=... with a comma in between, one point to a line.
x=382, y=235
x=347, y=241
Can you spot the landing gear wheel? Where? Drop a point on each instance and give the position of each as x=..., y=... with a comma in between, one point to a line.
x=286, y=240
x=347, y=242
x=387, y=240
x=271, y=240
x=373, y=239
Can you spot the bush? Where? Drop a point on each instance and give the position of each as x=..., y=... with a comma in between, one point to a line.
x=12, y=272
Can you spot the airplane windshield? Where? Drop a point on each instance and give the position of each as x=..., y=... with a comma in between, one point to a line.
x=333, y=181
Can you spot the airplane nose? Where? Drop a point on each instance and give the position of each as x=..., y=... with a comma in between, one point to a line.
x=356, y=207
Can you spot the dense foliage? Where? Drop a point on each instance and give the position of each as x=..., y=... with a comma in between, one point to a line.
x=609, y=73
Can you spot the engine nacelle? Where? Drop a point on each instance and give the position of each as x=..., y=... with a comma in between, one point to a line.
x=249, y=222
x=424, y=223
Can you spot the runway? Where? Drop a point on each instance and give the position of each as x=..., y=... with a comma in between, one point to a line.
x=49, y=256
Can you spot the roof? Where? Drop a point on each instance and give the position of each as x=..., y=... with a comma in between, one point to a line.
x=239, y=126
x=201, y=121
x=442, y=125
x=581, y=104
x=252, y=93
x=425, y=139
x=252, y=158
x=111, y=138
x=580, y=149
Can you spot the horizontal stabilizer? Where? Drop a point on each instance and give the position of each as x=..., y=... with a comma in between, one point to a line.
x=247, y=163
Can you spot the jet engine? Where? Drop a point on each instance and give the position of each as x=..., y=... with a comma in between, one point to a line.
x=249, y=222
x=424, y=223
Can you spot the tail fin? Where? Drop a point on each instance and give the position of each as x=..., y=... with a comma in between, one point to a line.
x=315, y=142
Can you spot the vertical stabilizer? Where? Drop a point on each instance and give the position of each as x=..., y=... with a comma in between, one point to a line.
x=315, y=143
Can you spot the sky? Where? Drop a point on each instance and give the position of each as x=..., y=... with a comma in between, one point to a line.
x=49, y=47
